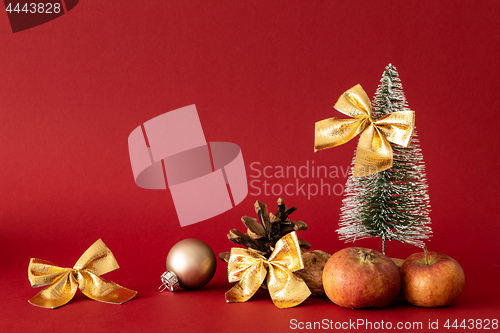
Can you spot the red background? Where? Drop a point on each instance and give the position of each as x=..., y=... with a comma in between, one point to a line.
x=260, y=74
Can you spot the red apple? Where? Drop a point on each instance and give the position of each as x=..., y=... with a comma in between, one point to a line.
x=431, y=279
x=357, y=277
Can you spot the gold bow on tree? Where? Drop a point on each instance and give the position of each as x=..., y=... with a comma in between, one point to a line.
x=374, y=152
x=249, y=269
x=63, y=282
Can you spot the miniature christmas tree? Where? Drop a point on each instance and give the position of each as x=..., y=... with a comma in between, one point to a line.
x=392, y=204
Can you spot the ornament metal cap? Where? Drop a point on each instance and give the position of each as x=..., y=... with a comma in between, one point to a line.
x=169, y=281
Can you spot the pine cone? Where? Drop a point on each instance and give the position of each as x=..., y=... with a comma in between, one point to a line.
x=263, y=233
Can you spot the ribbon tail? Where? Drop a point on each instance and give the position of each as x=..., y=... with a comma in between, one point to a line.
x=286, y=289
x=248, y=285
x=57, y=294
x=373, y=154
x=102, y=290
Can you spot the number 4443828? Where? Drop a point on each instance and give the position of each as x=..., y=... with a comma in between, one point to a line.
x=34, y=7
x=472, y=324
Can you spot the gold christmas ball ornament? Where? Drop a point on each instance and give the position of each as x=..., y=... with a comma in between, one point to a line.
x=191, y=264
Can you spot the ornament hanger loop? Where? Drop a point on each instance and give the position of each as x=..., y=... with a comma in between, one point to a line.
x=169, y=281
x=162, y=287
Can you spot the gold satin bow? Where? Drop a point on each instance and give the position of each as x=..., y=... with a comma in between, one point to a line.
x=249, y=269
x=374, y=152
x=63, y=282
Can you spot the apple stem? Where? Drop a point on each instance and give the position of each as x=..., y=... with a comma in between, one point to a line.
x=426, y=255
x=365, y=255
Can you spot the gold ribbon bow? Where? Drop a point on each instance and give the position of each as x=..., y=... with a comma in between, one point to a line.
x=374, y=152
x=63, y=282
x=249, y=269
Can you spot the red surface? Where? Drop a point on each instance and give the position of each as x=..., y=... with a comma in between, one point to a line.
x=260, y=75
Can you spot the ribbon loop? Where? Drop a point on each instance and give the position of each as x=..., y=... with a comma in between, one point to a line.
x=64, y=282
x=355, y=103
x=42, y=272
x=398, y=127
x=334, y=132
x=249, y=269
x=374, y=152
x=284, y=253
x=97, y=259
